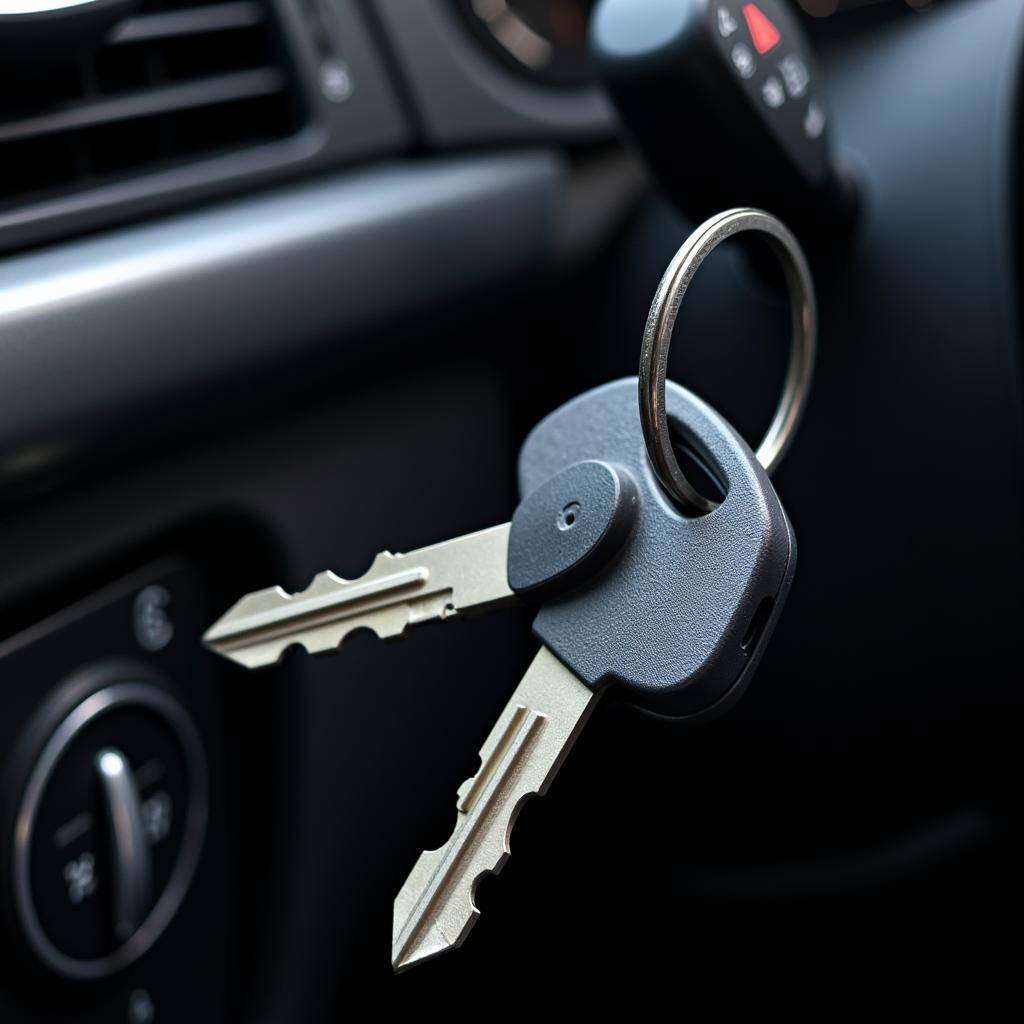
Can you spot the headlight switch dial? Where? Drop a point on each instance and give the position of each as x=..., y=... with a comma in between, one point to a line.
x=109, y=829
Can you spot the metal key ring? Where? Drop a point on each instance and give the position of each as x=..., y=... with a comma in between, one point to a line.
x=658, y=337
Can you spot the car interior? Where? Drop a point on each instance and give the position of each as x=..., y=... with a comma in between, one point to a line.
x=285, y=284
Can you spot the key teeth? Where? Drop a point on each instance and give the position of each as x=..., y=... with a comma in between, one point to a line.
x=429, y=940
x=432, y=937
x=378, y=561
x=273, y=652
x=438, y=899
x=436, y=907
x=463, y=792
x=232, y=635
x=270, y=598
x=395, y=592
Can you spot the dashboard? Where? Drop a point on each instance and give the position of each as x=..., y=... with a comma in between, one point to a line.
x=287, y=282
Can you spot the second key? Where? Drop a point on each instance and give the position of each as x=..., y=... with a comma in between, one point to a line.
x=674, y=615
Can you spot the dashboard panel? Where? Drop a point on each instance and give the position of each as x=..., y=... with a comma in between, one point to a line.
x=236, y=349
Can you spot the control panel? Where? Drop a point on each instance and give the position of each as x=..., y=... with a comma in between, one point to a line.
x=110, y=825
x=117, y=902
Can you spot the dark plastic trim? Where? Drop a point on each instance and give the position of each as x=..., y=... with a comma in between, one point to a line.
x=119, y=324
x=368, y=122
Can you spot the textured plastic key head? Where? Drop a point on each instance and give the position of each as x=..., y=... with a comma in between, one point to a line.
x=681, y=618
x=568, y=529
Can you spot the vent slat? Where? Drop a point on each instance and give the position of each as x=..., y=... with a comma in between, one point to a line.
x=206, y=92
x=180, y=81
x=190, y=21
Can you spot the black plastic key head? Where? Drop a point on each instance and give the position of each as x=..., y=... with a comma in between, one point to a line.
x=679, y=613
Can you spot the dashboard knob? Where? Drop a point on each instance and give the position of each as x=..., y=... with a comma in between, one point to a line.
x=130, y=863
x=109, y=828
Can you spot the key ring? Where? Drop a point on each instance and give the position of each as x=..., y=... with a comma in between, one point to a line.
x=658, y=337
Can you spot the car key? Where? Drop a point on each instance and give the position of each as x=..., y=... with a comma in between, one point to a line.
x=678, y=622
x=467, y=574
x=677, y=625
x=431, y=584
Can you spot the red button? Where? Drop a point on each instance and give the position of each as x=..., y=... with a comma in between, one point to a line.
x=762, y=31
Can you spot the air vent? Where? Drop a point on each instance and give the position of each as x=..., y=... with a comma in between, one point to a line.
x=178, y=81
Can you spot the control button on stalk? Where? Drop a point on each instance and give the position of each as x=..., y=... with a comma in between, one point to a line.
x=773, y=93
x=795, y=74
x=765, y=35
x=727, y=23
x=743, y=60
x=814, y=120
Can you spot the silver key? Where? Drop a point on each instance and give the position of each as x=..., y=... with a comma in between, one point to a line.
x=675, y=623
x=467, y=573
x=434, y=911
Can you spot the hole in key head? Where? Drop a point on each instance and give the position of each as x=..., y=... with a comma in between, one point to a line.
x=568, y=516
x=696, y=466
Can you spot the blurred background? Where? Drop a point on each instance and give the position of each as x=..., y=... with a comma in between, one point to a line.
x=284, y=283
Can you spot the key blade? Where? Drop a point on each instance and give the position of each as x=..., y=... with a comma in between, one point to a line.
x=434, y=911
x=464, y=574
